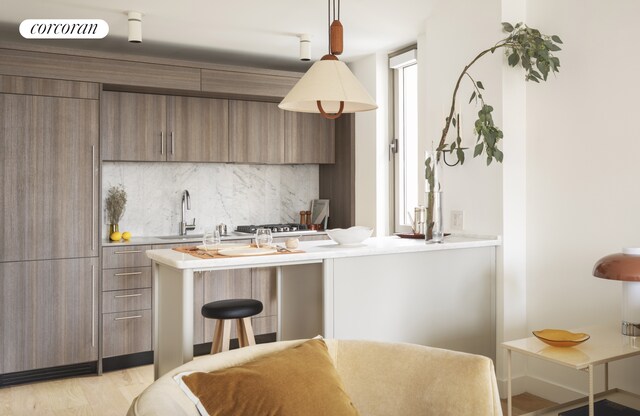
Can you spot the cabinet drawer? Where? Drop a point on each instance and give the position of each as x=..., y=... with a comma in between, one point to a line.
x=126, y=333
x=126, y=300
x=127, y=278
x=125, y=256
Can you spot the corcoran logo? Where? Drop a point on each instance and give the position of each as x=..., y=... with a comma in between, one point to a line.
x=64, y=29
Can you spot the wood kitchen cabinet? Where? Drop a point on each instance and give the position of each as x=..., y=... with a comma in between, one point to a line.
x=49, y=313
x=309, y=138
x=126, y=300
x=256, y=283
x=132, y=126
x=49, y=166
x=256, y=132
x=149, y=127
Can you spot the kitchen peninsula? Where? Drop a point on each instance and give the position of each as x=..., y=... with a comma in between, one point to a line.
x=388, y=289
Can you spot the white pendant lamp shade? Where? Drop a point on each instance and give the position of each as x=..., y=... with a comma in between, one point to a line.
x=330, y=82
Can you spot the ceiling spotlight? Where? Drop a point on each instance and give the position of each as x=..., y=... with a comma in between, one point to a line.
x=305, y=47
x=135, y=27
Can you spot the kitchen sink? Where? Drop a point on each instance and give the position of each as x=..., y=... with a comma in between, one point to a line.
x=181, y=237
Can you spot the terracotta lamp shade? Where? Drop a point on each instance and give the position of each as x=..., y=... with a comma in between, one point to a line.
x=625, y=267
x=330, y=82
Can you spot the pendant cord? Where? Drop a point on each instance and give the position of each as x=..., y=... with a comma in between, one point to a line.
x=329, y=24
x=338, y=10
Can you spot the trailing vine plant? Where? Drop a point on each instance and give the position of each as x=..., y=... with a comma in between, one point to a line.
x=524, y=46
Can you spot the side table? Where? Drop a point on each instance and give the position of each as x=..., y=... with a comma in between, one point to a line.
x=606, y=344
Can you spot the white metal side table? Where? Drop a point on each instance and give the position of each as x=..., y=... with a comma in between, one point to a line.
x=606, y=344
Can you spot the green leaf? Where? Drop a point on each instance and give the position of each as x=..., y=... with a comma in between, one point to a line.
x=460, y=154
x=478, y=149
x=479, y=84
x=507, y=27
x=553, y=47
x=452, y=147
x=489, y=160
x=514, y=58
x=473, y=95
x=453, y=121
x=497, y=153
x=556, y=39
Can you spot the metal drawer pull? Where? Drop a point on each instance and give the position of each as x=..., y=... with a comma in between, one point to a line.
x=128, y=317
x=128, y=252
x=127, y=274
x=135, y=295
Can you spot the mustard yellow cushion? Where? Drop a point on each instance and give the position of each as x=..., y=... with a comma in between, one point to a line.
x=298, y=381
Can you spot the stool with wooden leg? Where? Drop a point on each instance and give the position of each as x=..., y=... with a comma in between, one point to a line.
x=224, y=311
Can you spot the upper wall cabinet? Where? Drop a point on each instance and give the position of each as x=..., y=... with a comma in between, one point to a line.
x=309, y=138
x=256, y=132
x=149, y=127
x=198, y=129
x=132, y=126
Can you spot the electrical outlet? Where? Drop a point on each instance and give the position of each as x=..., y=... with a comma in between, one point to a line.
x=457, y=220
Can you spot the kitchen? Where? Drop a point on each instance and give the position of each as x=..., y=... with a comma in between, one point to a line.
x=191, y=153
x=271, y=180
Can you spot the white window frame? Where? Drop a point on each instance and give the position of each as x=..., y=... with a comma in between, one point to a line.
x=398, y=64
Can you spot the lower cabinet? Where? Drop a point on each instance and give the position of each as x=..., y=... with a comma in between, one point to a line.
x=49, y=313
x=126, y=332
x=127, y=316
x=256, y=283
x=127, y=298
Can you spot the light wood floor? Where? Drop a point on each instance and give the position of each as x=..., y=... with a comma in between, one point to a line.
x=525, y=403
x=113, y=392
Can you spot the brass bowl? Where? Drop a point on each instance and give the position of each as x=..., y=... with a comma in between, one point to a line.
x=560, y=337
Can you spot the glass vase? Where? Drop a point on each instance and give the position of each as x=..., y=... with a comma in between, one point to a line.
x=112, y=229
x=433, y=196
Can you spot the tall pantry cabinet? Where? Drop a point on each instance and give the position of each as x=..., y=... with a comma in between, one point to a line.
x=49, y=176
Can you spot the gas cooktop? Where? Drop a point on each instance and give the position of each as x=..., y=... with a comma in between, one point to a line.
x=275, y=228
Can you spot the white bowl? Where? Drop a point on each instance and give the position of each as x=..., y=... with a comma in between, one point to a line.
x=350, y=236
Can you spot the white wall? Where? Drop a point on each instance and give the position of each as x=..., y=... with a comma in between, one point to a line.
x=582, y=171
x=454, y=34
x=567, y=192
x=372, y=137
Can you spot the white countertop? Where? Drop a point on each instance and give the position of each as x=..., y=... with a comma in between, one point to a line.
x=317, y=251
x=142, y=241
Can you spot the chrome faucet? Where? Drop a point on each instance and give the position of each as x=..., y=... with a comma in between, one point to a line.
x=186, y=203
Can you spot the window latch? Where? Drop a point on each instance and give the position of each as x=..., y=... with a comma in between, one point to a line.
x=393, y=148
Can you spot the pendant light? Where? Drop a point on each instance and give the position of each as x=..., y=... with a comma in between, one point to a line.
x=329, y=87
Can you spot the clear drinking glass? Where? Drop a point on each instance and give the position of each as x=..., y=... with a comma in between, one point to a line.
x=263, y=237
x=211, y=240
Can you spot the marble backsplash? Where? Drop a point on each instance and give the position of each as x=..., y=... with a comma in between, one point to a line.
x=233, y=194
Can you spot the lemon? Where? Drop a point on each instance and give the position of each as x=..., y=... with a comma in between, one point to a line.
x=115, y=236
x=126, y=235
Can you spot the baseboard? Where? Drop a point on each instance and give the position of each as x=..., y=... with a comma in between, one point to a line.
x=127, y=361
x=204, y=349
x=43, y=374
x=542, y=388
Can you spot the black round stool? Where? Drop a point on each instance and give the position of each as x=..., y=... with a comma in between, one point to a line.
x=223, y=311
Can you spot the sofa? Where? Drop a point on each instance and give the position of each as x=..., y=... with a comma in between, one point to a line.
x=382, y=379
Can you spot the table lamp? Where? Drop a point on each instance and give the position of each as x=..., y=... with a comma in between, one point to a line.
x=624, y=266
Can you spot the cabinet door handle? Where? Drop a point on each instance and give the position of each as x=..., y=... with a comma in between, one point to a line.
x=127, y=274
x=161, y=142
x=93, y=306
x=128, y=252
x=128, y=317
x=93, y=198
x=173, y=147
x=135, y=295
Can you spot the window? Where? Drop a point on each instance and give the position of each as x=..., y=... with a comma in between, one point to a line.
x=406, y=163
